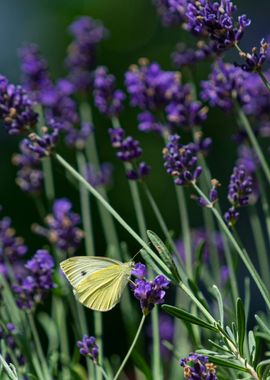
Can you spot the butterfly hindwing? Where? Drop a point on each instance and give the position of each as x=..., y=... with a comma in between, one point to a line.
x=102, y=290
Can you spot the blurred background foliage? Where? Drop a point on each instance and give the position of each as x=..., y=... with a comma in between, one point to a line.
x=135, y=31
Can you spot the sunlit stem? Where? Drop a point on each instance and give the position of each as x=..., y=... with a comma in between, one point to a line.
x=241, y=252
x=130, y=349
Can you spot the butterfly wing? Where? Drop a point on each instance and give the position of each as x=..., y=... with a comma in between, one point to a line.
x=102, y=289
x=77, y=268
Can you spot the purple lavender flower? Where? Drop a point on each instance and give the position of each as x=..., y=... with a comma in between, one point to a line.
x=139, y=172
x=213, y=195
x=169, y=14
x=225, y=84
x=15, y=108
x=81, y=58
x=255, y=60
x=215, y=20
x=43, y=146
x=33, y=288
x=108, y=99
x=128, y=148
x=34, y=71
x=29, y=176
x=185, y=56
x=149, y=123
x=62, y=228
x=77, y=138
x=149, y=293
x=88, y=347
x=239, y=190
x=149, y=86
x=12, y=247
x=197, y=367
x=139, y=271
x=99, y=177
x=180, y=161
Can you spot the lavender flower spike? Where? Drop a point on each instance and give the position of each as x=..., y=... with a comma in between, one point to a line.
x=15, y=108
x=88, y=347
x=180, y=161
x=197, y=367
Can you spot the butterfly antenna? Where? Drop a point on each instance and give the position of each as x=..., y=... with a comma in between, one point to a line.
x=137, y=253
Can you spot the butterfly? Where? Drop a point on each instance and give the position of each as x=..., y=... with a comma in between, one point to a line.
x=98, y=282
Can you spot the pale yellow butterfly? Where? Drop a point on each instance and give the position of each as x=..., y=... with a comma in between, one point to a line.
x=98, y=282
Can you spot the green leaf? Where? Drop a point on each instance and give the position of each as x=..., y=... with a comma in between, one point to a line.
x=186, y=316
x=263, y=369
x=252, y=346
x=241, y=325
x=223, y=362
x=220, y=304
x=164, y=253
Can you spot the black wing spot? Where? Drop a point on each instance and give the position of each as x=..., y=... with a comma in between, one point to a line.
x=83, y=273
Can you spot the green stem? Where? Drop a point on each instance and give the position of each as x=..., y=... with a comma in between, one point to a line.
x=109, y=208
x=89, y=247
x=42, y=359
x=8, y=370
x=242, y=253
x=85, y=208
x=164, y=229
x=245, y=122
x=46, y=162
x=185, y=228
x=264, y=79
x=260, y=244
x=130, y=349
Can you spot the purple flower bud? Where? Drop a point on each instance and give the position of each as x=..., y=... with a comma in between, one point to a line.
x=139, y=271
x=88, y=347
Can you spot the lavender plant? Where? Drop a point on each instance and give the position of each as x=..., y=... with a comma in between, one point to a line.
x=185, y=314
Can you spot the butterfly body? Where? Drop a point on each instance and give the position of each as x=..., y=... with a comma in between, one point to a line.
x=98, y=282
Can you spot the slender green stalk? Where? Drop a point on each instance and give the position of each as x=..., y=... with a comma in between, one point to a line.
x=245, y=122
x=92, y=156
x=164, y=229
x=103, y=373
x=264, y=79
x=242, y=253
x=85, y=208
x=7, y=369
x=89, y=247
x=130, y=348
x=185, y=228
x=260, y=244
x=46, y=162
x=265, y=204
x=114, y=213
x=42, y=359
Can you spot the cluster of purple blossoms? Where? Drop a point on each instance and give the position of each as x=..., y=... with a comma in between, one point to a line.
x=8, y=335
x=180, y=161
x=255, y=60
x=43, y=146
x=81, y=57
x=108, y=99
x=185, y=56
x=16, y=110
x=33, y=287
x=213, y=195
x=149, y=293
x=34, y=68
x=12, y=248
x=101, y=176
x=29, y=176
x=63, y=230
x=239, y=191
x=154, y=90
x=197, y=367
x=88, y=347
x=129, y=150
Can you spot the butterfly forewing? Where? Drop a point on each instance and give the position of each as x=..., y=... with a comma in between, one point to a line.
x=77, y=268
x=102, y=290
